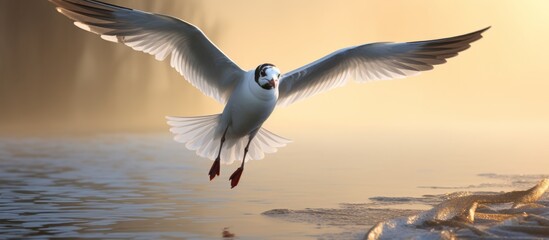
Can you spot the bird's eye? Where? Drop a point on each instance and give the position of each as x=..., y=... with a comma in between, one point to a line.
x=263, y=74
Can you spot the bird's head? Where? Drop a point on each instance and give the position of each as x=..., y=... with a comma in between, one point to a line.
x=267, y=75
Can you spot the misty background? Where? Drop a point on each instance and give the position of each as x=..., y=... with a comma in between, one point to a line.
x=56, y=78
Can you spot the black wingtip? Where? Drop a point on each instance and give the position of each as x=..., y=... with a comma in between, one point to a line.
x=477, y=32
x=89, y=3
x=484, y=29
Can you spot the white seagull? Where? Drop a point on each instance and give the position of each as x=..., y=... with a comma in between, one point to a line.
x=249, y=96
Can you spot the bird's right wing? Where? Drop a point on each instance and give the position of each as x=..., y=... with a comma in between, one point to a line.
x=368, y=62
x=193, y=55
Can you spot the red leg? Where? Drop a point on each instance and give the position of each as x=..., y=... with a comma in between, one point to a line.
x=216, y=166
x=235, y=177
x=215, y=169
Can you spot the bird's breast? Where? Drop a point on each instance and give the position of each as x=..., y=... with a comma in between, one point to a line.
x=248, y=107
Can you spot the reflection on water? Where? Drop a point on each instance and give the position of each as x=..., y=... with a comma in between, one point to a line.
x=62, y=189
x=118, y=187
x=147, y=186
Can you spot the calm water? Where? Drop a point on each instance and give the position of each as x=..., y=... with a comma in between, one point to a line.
x=134, y=186
x=144, y=186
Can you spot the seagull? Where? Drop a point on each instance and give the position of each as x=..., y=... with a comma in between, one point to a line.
x=249, y=96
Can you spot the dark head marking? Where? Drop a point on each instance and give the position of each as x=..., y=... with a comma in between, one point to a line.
x=260, y=70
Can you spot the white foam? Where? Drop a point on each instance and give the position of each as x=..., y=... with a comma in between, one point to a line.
x=462, y=210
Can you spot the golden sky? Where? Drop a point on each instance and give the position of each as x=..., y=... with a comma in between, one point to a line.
x=73, y=79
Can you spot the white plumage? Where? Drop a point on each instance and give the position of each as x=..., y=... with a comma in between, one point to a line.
x=249, y=96
x=198, y=134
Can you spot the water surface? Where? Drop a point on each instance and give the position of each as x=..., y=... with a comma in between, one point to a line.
x=144, y=186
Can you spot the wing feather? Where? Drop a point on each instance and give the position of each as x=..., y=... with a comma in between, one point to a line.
x=193, y=55
x=368, y=62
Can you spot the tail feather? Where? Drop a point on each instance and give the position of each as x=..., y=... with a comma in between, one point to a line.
x=200, y=134
x=188, y=129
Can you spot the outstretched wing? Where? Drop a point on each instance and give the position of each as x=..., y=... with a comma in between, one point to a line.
x=193, y=55
x=375, y=61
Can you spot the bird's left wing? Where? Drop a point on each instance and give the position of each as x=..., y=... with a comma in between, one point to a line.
x=375, y=61
x=192, y=53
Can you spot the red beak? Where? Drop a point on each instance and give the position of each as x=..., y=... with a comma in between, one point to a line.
x=272, y=82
